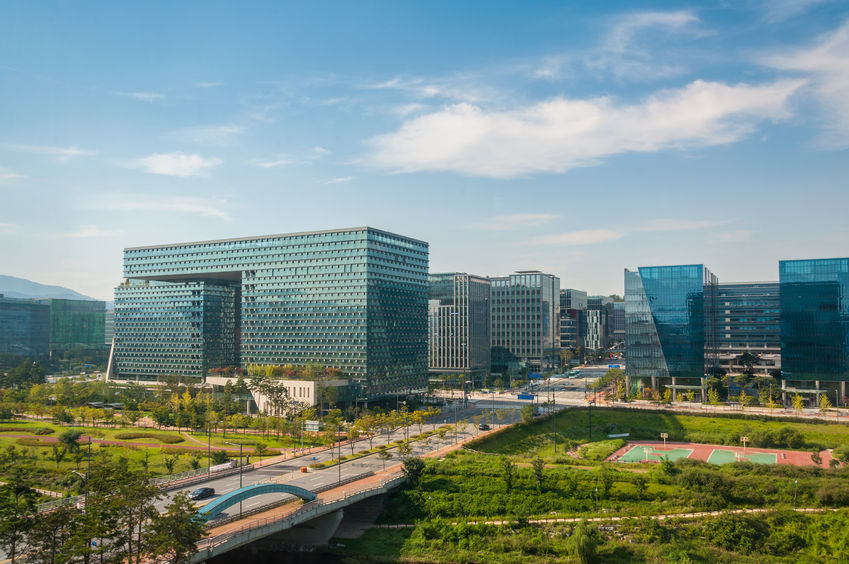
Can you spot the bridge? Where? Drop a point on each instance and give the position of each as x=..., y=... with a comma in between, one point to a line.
x=211, y=510
x=320, y=516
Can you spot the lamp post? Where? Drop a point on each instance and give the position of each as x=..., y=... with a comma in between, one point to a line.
x=208, y=448
x=240, y=473
x=795, y=486
x=664, y=436
x=744, y=440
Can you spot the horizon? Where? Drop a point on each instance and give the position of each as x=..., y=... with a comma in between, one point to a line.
x=574, y=140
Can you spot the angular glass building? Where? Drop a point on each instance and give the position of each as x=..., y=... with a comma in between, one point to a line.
x=670, y=325
x=459, y=325
x=525, y=325
x=24, y=327
x=354, y=299
x=815, y=320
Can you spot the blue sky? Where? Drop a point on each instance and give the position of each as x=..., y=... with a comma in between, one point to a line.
x=575, y=138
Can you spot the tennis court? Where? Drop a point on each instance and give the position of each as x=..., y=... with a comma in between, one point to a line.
x=655, y=451
x=724, y=456
x=641, y=453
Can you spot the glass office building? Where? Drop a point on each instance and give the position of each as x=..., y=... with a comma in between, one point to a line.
x=670, y=325
x=76, y=323
x=459, y=325
x=353, y=299
x=573, y=318
x=24, y=327
x=525, y=325
x=814, y=319
x=748, y=321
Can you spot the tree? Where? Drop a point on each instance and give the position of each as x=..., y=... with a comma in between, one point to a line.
x=798, y=402
x=538, y=465
x=176, y=532
x=583, y=542
x=527, y=412
x=384, y=455
x=744, y=399
x=413, y=468
x=607, y=479
x=170, y=462
x=508, y=472
x=404, y=450
x=825, y=403
x=260, y=448
x=713, y=397
x=51, y=532
x=58, y=455
x=69, y=440
x=219, y=456
x=816, y=458
x=17, y=503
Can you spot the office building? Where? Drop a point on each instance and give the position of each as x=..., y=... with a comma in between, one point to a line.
x=670, y=326
x=353, y=299
x=525, y=325
x=108, y=326
x=573, y=318
x=459, y=326
x=76, y=323
x=618, y=326
x=599, y=322
x=814, y=298
x=748, y=322
x=24, y=327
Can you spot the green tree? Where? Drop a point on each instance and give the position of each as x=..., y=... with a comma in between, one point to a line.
x=607, y=479
x=219, y=457
x=583, y=543
x=69, y=439
x=17, y=503
x=260, y=449
x=413, y=468
x=58, y=455
x=713, y=396
x=538, y=465
x=170, y=462
x=744, y=399
x=527, y=412
x=798, y=402
x=51, y=532
x=825, y=403
x=176, y=532
x=508, y=472
x=384, y=455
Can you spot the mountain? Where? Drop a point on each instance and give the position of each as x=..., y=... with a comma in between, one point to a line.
x=12, y=287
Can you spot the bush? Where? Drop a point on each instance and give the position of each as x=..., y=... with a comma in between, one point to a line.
x=601, y=449
x=161, y=437
x=44, y=431
x=30, y=441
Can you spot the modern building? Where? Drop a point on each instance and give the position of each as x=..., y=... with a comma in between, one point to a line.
x=618, y=325
x=459, y=326
x=814, y=298
x=108, y=326
x=670, y=326
x=24, y=327
x=599, y=322
x=354, y=299
x=748, y=322
x=573, y=318
x=525, y=325
x=76, y=323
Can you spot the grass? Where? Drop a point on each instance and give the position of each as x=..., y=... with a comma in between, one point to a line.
x=600, y=450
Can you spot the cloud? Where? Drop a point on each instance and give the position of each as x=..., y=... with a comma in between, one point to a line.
x=8, y=228
x=582, y=237
x=205, y=206
x=680, y=224
x=209, y=84
x=560, y=134
x=826, y=65
x=87, y=231
x=457, y=87
x=9, y=176
x=281, y=160
x=776, y=11
x=213, y=134
x=736, y=236
x=623, y=33
x=340, y=180
x=62, y=154
x=318, y=152
x=143, y=96
x=513, y=221
x=176, y=164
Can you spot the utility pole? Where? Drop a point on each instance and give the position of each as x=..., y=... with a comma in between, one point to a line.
x=240, y=473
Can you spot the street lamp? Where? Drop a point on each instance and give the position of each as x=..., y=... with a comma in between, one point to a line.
x=240, y=473
x=795, y=485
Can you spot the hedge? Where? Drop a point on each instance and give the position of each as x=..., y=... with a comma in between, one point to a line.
x=162, y=437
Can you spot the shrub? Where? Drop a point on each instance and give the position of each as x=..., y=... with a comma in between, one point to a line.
x=161, y=437
x=601, y=449
x=30, y=441
x=44, y=431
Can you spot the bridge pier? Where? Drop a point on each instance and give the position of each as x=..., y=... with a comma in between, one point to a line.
x=316, y=532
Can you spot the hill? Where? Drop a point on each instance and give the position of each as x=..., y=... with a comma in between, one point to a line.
x=12, y=287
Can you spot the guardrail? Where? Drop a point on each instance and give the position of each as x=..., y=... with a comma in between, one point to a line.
x=305, y=512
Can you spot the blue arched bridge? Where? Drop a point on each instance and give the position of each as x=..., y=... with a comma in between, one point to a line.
x=212, y=509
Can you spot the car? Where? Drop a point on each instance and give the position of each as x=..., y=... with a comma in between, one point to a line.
x=483, y=427
x=202, y=493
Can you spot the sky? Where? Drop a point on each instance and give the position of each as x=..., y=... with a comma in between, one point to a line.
x=577, y=138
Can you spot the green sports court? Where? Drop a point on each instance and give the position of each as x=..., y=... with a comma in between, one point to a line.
x=724, y=456
x=640, y=453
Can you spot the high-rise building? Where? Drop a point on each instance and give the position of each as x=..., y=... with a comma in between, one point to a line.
x=748, y=322
x=459, y=325
x=353, y=299
x=573, y=318
x=525, y=326
x=618, y=325
x=24, y=327
x=599, y=320
x=108, y=326
x=670, y=326
x=76, y=323
x=814, y=298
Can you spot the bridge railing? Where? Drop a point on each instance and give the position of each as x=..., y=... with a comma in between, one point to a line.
x=302, y=513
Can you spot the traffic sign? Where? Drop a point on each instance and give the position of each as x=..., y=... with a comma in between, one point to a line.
x=312, y=426
x=525, y=396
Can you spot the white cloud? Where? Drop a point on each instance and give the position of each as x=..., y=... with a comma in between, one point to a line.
x=405, y=110
x=63, y=154
x=8, y=228
x=513, y=221
x=622, y=35
x=582, y=237
x=213, y=134
x=211, y=84
x=736, y=236
x=680, y=224
x=176, y=164
x=826, y=64
x=143, y=96
x=318, y=152
x=458, y=87
x=209, y=206
x=8, y=176
x=779, y=10
x=560, y=134
x=281, y=160
x=88, y=231
x=340, y=180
